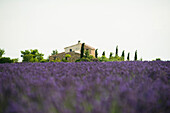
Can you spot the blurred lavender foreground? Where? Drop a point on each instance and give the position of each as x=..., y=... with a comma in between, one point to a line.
x=85, y=87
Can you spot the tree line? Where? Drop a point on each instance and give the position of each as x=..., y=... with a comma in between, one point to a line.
x=36, y=56
x=85, y=56
x=31, y=56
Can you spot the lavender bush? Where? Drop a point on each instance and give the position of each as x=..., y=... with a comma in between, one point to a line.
x=85, y=87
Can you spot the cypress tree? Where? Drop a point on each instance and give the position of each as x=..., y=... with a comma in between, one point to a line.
x=123, y=55
x=82, y=50
x=135, y=58
x=110, y=56
x=103, y=54
x=96, y=54
x=128, y=56
x=116, y=51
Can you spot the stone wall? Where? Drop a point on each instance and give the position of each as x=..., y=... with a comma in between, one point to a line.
x=92, y=51
x=73, y=58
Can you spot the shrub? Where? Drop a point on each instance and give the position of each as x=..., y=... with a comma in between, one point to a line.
x=56, y=60
x=5, y=60
x=64, y=60
x=44, y=60
x=158, y=59
x=83, y=60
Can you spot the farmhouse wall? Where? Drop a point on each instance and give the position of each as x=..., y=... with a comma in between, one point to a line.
x=75, y=48
x=73, y=58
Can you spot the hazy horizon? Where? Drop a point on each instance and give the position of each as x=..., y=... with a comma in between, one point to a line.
x=47, y=25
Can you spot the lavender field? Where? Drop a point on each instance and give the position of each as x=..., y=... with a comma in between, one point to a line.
x=85, y=87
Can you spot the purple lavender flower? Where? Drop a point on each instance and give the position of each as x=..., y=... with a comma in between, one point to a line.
x=85, y=87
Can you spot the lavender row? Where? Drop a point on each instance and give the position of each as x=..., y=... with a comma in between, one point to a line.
x=85, y=87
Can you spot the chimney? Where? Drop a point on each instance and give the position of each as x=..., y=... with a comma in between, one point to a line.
x=79, y=42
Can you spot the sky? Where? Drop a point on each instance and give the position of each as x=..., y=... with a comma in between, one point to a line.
x=46, y=25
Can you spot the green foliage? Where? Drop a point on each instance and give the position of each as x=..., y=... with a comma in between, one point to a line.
x=116, y=58
x=8, y=60
x=83, y=60
x=88, y=58
x=103, y=54
x=94, y=59
x=5, y=60
x=44, y=60
x=87, y=54
x=115, y=108
x=15, y=60
x=55, y=52
x=82, y=50
x=67, y=56
x=34, y=52
x=128, y=57
x=56, y=60
x=2, y=52
x=111, y=55
x=158, y=59
x=111, y=58
x=96, y=54
x=31, y=56
x=40, y=57
x=64, y=60
x=123, y=55
x=135, y=58
x=28, y=58
x=103, y=59
x=116, y=51
x=141, y=59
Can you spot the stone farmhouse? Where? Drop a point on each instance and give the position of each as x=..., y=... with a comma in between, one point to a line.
x=74, y=51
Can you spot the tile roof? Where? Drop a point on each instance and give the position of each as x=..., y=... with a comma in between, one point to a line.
x=81, y=44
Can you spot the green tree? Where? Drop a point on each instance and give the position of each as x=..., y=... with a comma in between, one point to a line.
x=135, y=58
x=123, y=55
x=110, y=56
x=128, y=56
x=67, y=56
x=103, y=54
x=40, y=57
x=82, y=50
x=31, y=56
x=2, y=52
x=28, y=58
x=87, y=54
x=6, y=59
x=116, y=51
x=26, y=52
x=55, y=52
x=34, y=52
x=96, y=53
